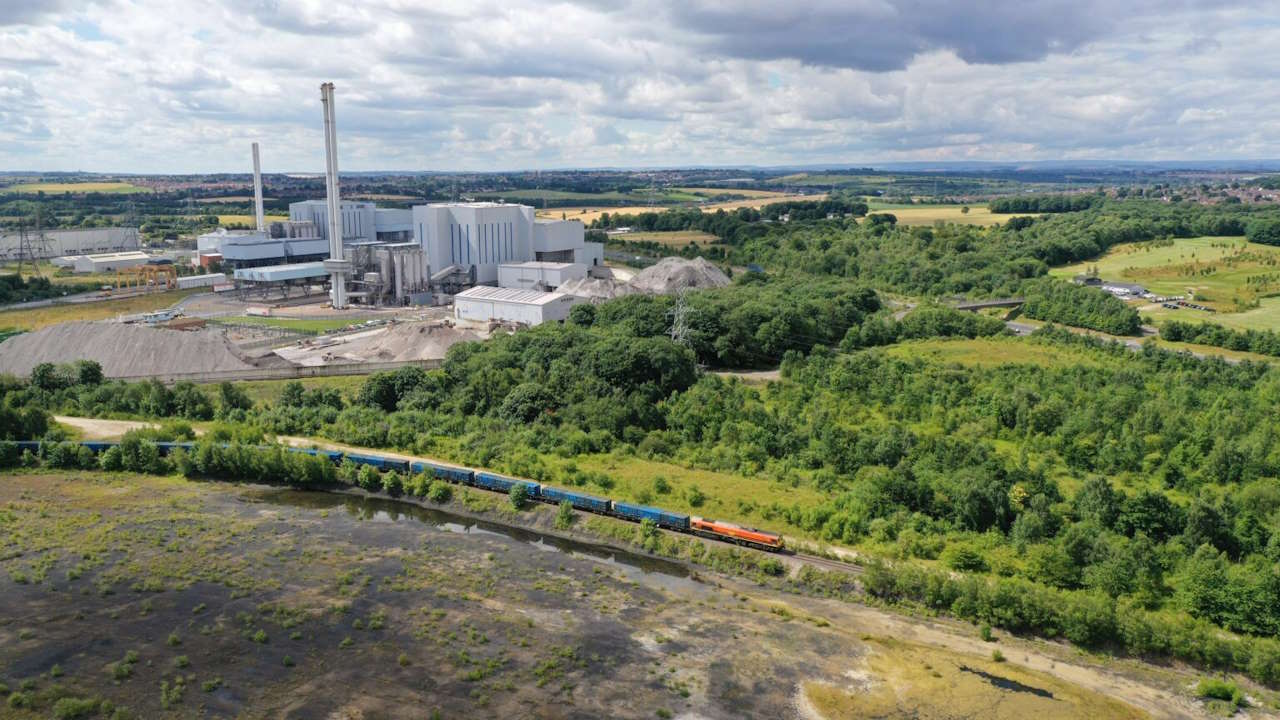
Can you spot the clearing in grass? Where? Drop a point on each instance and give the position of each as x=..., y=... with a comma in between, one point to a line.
x=119, y=188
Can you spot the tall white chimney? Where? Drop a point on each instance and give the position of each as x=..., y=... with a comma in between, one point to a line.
x=257, y=191
x=338, y=268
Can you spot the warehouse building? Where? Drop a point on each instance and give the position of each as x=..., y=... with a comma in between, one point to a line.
x=535, y=275
x=109, y=262
x=57, y=243
x=527, y=307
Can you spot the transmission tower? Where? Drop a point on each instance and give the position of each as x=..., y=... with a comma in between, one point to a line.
x=32, y=247
x=680, y=329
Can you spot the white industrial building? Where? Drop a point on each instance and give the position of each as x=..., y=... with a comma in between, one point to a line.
x=109, y=262
x=252, y=248
x=535, y=275
x=361, y=221
x=528, y=307
x=484, y=235
x=207, y=280
x=58, y=243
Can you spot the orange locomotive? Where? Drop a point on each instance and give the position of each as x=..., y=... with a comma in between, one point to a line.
x=735, y=534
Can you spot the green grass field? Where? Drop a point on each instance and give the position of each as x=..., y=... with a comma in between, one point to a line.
x=993, y=351
x=119, y=188
x=1225, y=273
x=37, y=318
x=642, y=195
x=268, y=391
x=319, y=325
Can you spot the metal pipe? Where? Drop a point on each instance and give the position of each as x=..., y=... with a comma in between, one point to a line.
x=257, y=191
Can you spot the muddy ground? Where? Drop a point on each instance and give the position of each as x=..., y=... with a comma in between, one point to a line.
x=179, y=599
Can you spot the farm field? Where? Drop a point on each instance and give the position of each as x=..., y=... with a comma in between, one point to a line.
x=76, y=187
x=929, y=214
x=993, y=351
x=1217, y=269
x=588, y=214
x=729, y=190
x=226, y=220
x=288, y=603
x=674, y=238
x=36, y=318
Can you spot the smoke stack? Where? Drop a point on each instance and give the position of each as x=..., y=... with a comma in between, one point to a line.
x=257, y=191
x=337, y=267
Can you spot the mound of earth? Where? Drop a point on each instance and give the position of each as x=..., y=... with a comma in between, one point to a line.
x=122, y=350
x=399, y=342
x=597, y=288
x=672, y=274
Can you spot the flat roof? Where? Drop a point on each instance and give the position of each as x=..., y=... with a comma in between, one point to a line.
x=275, y=273
x=477, y=204
x=128, y=255
x=510, y=295
x=539, y=265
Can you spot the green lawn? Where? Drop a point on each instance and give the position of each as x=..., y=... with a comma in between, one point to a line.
x=317, y=325
x=268, y=391
x=1216, y=269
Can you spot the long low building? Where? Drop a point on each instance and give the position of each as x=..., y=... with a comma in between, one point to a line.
x=57, y=243
x=282, y=273
x=529, y=307
x=109, y=262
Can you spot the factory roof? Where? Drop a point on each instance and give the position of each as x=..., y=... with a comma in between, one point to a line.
x=510, y=295
x=476, y=204
x=539, y=265
x=277, y=273
x=127, y=255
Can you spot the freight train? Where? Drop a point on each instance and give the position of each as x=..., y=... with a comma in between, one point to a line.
x=678, y=522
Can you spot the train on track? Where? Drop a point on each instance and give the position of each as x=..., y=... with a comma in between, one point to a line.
x=678, y=522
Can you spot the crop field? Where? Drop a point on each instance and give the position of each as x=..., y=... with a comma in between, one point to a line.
x=173, y=598
x=76, y=188
x=588, y=214
x=1225, y=273
x=37, y=318
x=675, y=238
x=930, y=214
x=249, y=220
x=664, y=196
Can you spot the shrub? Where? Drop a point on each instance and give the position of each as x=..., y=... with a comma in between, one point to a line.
x=997, y=656
x=564, y=515
x=518, y=496
x=70, y=708
x=1215, y=689
x=985, y=632
x=439, y=491
x=260, y=637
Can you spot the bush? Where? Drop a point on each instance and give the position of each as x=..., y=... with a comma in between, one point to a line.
x=70, y=708
x=1215, y=689
x=564, y=516
x=439, y=492
x=519, y=495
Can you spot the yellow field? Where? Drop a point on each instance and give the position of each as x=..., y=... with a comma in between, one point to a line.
x=758, y=199
x=677, y=238
x=992, y=351
x=225, y=220
x=230, y=199
x=37, y=318
x=588, y=214
x=929, y=214
x=75, y=187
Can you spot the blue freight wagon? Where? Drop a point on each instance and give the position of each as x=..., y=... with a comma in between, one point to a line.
x=673, y=521
x=580, y=501
x=167, y=447
x=444, y=472
x=99, y=446
x=379, y=462
x=499, y=483
x=332, y=456
x=32, y=445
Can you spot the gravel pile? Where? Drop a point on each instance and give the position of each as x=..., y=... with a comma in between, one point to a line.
x=122, y=350
x=672, y=274
x=402, y=341
x=597, y=288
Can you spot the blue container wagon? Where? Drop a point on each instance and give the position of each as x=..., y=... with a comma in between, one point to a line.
x=580, y=501
x=501, y=483
x=670, y=520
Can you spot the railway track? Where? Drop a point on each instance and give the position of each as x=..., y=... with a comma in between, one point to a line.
x=829, y=564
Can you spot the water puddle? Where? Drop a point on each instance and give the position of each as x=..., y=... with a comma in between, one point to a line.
x=635, y=566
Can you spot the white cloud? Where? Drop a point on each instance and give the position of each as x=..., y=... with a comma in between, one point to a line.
x=185, y=85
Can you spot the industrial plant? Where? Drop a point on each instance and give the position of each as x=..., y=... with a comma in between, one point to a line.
x=430, y=254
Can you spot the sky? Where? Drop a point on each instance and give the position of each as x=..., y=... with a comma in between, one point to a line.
x=184, y=86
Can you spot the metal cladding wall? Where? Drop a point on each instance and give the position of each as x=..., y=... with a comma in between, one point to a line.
x=70, y=242
x=530, y=274
x=482, y=304
x=480, y=235
x=359, y=219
